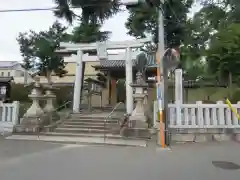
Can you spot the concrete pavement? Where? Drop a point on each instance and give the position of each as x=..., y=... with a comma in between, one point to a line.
x=71, y=162
x=15, y=148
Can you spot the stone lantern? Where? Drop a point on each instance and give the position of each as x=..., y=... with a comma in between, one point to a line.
x=33, y=118
x=34, y=113
x=138, y=126
x=138, y=118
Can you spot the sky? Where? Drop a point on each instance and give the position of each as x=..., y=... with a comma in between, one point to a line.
x=14, y=22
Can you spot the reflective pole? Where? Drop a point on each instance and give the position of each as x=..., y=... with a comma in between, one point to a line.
x=160, y=79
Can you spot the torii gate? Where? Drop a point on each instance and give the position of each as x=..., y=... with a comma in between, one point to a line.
x=101, y=48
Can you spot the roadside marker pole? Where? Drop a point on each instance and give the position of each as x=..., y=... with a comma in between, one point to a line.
x=159, y=100
x=234, y=110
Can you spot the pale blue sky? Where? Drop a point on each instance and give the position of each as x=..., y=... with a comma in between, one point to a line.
x=15, y=22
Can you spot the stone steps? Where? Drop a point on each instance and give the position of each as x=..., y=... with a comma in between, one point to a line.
x=93, y=116
x=90, y=123
x=84, y=126
x=89, y=126
x=83, y=130
x=93, y=135
x=101, y=135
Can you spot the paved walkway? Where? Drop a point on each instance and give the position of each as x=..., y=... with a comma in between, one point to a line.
x=183, y=162
x=15, y=148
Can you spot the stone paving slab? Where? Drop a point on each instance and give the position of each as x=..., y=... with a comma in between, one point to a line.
x=80, y=140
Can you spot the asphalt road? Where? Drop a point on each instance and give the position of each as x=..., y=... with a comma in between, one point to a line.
x=45, y=161
x=14, y=148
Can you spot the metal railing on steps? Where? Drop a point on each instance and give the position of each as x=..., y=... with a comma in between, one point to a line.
x=106, y=119
x=49, y=115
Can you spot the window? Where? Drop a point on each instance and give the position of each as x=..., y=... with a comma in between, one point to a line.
x=9, y=74
x=2, y=73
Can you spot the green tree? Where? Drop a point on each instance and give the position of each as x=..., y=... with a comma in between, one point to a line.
x=179, y=32
x=38, y=50
x=214, y=16
x=223, y=55
x=143, y=21
x=93, y=11
x=231, y=9
x=88, y=33
x=200, y=29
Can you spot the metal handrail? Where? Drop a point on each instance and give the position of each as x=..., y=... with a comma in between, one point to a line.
x=106, y=118
x=65, y=104
x=55, y=110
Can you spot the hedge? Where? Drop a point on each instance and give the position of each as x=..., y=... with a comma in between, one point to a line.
x=20, y=93
x=236, y=96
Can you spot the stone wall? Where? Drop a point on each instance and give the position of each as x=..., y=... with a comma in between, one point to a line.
x=204, y=135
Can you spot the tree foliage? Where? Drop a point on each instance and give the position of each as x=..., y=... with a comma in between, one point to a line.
x=214, y=16
x=93, y=11
x=223, y=55
x=88, y=33
x=143, y=21
x=218, y=23
x=38, y=50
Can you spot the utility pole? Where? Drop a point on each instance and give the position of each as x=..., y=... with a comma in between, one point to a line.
x=161, y=70
x=162, y=82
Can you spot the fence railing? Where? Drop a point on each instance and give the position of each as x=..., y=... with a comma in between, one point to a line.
x=8, y=116
x=201, y=115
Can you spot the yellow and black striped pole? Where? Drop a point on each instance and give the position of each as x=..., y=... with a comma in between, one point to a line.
x=234, y=110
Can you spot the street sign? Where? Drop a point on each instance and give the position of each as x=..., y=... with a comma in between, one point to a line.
x=171, y=59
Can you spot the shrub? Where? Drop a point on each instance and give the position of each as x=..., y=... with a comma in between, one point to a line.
x=208, y=102
x=63, y=94
x=236, y=96
x=20, y=93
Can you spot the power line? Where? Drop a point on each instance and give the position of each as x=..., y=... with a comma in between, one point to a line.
x=51, y=8
x=36, y=9
x=31, y=9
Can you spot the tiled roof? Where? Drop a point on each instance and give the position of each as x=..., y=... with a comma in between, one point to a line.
x=121, y=63
x=6, y=64
x=113, y=63
x=6, y=79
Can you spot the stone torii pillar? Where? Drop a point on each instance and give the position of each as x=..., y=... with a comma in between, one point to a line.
x=78, y=82
x=103, y=47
